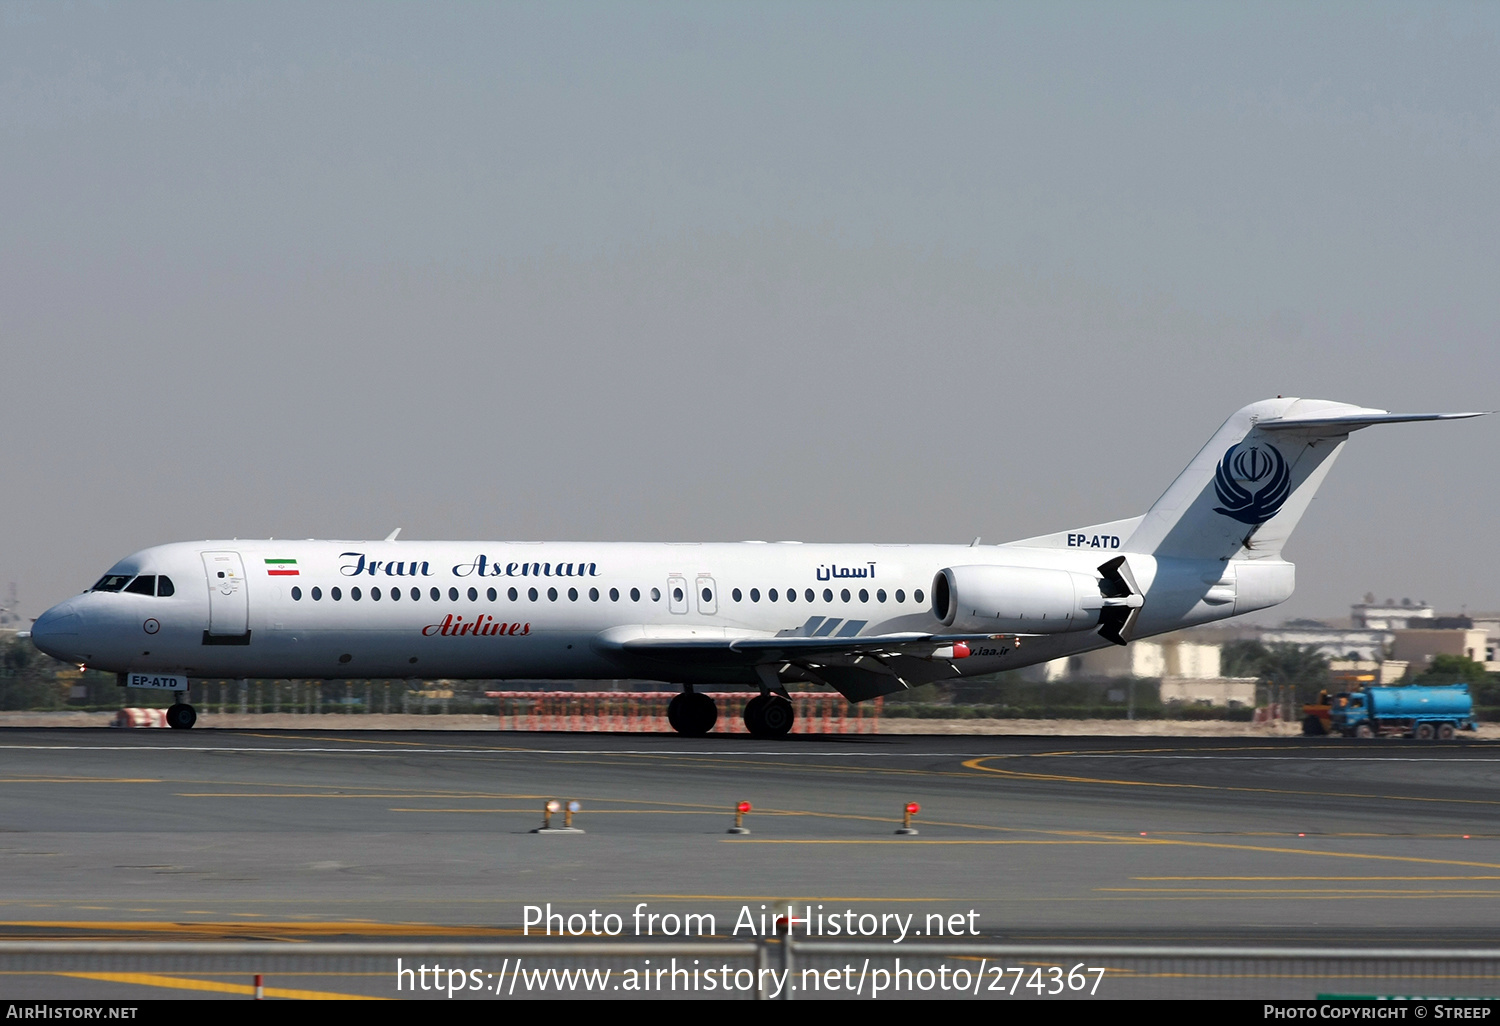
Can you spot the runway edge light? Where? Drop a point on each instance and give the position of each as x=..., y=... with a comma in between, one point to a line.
x=909, y=810
x=739, y=819
x=553, y=806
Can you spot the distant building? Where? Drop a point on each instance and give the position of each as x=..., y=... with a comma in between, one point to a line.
x=1364, y=644
x=1391, y=615
x=1490, y=624
x=1164, y=656
x=1419, y=647
x=1381, y=642
x=1230, y=692
x=1348, y=674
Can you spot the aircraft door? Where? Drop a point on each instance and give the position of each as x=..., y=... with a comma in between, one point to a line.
x=228, y=601
x=677, y=599
x=708, y=594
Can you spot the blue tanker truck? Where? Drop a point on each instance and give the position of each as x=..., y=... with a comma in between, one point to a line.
x=1415, y=711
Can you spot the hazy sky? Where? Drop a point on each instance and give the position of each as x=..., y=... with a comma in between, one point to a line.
x=867, y=271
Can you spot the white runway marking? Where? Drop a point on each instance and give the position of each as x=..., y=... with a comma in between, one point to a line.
x=415, y=748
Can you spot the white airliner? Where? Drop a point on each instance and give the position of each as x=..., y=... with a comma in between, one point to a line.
x=866, y=619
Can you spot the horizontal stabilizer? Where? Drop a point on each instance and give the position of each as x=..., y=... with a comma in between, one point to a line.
x=1353, y=420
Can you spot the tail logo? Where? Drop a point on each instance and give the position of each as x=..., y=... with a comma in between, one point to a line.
x=1259, y=465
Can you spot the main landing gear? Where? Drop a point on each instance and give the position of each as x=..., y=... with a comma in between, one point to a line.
x=180, y=715
x=766, y=715
x=692, y=714
x=769, y=715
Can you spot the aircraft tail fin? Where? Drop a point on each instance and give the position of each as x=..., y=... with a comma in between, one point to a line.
x=1245, y=491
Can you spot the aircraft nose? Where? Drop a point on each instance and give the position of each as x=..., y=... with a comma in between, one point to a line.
x=56, y=632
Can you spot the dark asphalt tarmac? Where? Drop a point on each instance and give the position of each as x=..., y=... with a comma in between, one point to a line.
x=366, y=835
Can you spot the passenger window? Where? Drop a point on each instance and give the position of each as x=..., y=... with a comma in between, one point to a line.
x=593, y=594
x=531, y=594
x=354, y=594
x=614, y=594
x=736, y=594
x=572, y=594
x=880, y=595
x=374, y=594
x=708, y=596
x=317, y=594
x=512, y=594
x=900, y=595
x=827, y=595
x=473, y=594
x=395, y=594
x=655, y=594
x=754, y=594
x=635, y=594
x=435, y=595
x=771, y=594
x=677, y=594
x=164, y=587
x=492, y=594
x=864, y=596
x=452, y=594
x=552, y=594
x=917, y=594
x=844, y=594
x=416, y=594
x=296, y=594
x=810, y=595
x=143, y=585
x=335, y=594
x=791, y=594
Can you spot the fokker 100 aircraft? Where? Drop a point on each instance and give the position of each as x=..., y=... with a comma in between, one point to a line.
x=866, y=619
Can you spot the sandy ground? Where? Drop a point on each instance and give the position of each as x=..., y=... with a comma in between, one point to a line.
x=396, y=721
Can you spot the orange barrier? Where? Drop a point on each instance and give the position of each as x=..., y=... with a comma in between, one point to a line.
x=141, y=718
x=646, y=712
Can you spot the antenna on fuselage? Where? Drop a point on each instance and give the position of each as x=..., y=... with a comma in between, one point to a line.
x=392, y=535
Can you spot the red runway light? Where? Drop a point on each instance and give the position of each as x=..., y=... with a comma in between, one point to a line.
x=742, y=807
x=912, y=808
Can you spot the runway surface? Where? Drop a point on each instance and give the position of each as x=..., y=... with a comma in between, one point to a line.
x=356, y=835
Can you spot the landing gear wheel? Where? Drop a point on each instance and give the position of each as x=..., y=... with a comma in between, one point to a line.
x=181, y=716
x=1446, y=732
x=1312, y=727
x=769, y=716
x=692, y=714
x=1424, y=732
x=1363, y=730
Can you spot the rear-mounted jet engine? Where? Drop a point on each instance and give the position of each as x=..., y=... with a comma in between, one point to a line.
x=1033, y=600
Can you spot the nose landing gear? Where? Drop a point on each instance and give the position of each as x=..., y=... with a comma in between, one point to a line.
x=180, y=715
x=692, y=714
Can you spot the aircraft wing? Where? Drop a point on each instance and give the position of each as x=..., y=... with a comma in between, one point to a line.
x=858, y=667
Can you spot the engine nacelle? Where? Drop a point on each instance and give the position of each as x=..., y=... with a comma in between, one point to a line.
x=1016, y=599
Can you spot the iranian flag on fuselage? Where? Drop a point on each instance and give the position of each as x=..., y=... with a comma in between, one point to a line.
x=281, y=567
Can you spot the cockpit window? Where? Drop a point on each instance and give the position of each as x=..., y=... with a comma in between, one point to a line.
x=164, y=587
x=111, y=582
x=143, y=585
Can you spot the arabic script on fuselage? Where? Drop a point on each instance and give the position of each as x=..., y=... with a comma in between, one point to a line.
x=832, y=572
